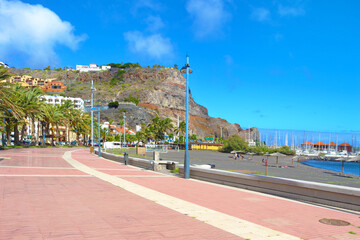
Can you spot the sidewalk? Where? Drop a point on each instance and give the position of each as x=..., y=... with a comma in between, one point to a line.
x=81, y=196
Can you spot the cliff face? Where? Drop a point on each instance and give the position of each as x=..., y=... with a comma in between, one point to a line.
x=160, y=91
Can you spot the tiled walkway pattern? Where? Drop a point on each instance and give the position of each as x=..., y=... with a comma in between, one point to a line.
x=44, y=197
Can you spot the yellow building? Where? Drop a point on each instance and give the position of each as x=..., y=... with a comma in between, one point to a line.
x=206, y=146
x=29, y=81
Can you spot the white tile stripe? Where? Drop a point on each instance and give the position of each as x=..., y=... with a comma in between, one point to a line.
x=143, y=176
x=116, y=169
x=3, y=166
x=231, y=224
x=36, y=175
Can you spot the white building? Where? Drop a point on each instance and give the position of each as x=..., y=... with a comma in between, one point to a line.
x=92, y=68
x=59, y=100
x=6, y=66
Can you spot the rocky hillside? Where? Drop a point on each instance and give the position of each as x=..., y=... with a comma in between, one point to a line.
x=160, y=92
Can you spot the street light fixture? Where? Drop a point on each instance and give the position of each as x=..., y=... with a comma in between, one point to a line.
x=186, y=70
x=92, y=113
x=99, y=132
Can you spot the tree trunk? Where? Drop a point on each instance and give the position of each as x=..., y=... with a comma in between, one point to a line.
x=16, y=134
x=58, y=132
x=67, y=134
x=23, y=129
x=77, y=138
x=37, y=139
x=8, y=134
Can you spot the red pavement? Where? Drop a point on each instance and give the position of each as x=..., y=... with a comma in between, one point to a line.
x=72, y=207
x=78, y=207
x=286, y=216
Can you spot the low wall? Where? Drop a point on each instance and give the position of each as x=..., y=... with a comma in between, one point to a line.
x=332, y=195
x=138, y=162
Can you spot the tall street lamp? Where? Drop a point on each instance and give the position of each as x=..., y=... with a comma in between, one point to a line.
x=124, y=129
x=186, y=69
x=99, y=133
x=92, y=113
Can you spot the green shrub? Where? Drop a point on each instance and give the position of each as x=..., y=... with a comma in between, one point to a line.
x=113, y=104
x=236, y=143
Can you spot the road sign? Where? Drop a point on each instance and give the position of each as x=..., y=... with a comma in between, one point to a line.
x=209, y=138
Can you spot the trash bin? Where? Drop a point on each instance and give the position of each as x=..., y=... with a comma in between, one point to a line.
x=91, y=149
x=126, y=158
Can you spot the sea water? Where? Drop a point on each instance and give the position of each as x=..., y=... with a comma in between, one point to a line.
x=349, y=167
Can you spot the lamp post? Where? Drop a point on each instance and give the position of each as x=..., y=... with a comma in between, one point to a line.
x=186, y=69
x=99, y=131
x=124, y=128
x=92, y=113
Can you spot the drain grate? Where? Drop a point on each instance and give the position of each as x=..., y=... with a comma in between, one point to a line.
x=334, y=222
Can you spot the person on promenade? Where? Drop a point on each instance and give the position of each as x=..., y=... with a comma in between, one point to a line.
x=235, y=156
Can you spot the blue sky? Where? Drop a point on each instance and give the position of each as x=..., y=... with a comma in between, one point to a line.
x=269, y=64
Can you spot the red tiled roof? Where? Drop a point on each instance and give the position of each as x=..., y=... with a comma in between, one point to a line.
x=319, y=143
x=121, y=130
x=307, y=143
x=331, y=144
x=345, y=144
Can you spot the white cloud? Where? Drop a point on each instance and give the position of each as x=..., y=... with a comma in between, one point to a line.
x=290, y=11
x=260, y=14
x=154, y=23
x=209, y=16
x=153, y=45
x=31, y=32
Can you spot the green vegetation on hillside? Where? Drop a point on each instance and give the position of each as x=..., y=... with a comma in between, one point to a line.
x=118, y=78
x=125, y=65
x=135, y=100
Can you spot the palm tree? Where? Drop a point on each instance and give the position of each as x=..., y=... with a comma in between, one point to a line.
x=159, y=127
x=80, y=124
x=31, y=103
x=181, y=129
x=7, y=96
x=67, y=107
x=52, y=116
x=11, y=110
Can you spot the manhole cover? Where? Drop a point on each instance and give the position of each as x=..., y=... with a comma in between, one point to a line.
x=334, y=222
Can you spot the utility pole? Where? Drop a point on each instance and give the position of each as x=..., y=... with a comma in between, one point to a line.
x=124, y=127
x=186, y=70
x=92, y=113
x=99, y=133
x=221, y=132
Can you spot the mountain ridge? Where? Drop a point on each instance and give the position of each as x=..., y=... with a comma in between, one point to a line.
x=161, y=91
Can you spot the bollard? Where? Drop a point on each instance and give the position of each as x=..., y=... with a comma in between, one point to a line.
x=126, y=158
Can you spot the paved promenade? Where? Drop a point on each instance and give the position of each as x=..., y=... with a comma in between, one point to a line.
x=62, y=193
